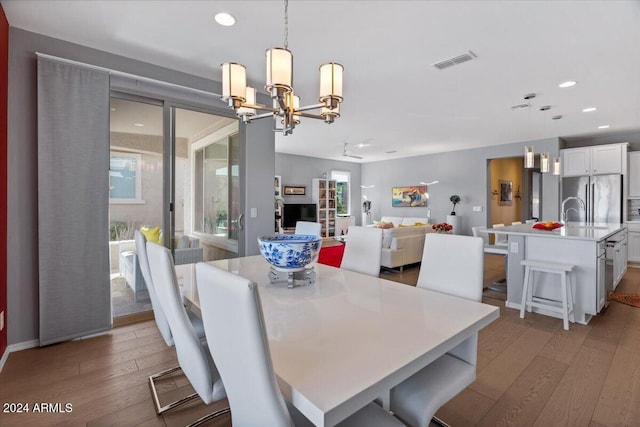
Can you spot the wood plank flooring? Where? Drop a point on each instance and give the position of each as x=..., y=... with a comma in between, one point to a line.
x=531, y=372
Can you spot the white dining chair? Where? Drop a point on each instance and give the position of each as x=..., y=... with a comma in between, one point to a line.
x=307, y=227
x=451, y=265
x=311, y=228
x=499, y=239
x=163, y=325
x=193, y=355
x=363, y=250
x=241, y=352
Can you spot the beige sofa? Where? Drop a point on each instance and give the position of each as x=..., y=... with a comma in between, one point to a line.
x=403, y=244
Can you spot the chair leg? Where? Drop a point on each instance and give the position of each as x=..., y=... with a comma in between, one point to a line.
x=154, y=392
x=438, y=421
x=210, y=417
x=565, y=303
x=525, y=291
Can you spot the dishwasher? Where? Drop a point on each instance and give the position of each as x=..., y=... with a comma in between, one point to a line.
x=605, y=276
x=612, y=245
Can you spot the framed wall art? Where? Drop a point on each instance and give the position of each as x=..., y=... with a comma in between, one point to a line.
x=409, y=197
x=506, y=193
x=295, y=190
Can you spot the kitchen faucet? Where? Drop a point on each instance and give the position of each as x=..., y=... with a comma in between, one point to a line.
x=563, y=213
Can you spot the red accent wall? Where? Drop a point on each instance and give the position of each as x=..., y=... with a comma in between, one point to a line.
x=4, y=75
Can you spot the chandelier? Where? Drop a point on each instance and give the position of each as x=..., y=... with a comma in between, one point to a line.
x=286, y=109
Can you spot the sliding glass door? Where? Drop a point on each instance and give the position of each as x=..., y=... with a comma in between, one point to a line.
x=174, y=175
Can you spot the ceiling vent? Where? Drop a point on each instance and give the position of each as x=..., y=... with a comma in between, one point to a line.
x=468, y=56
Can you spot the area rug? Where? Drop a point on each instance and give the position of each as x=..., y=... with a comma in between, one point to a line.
x=331, y=255
x=626, y=298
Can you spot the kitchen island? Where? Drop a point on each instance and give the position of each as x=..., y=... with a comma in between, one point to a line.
x=584, y=246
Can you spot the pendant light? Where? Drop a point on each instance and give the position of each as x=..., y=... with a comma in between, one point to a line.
x=556, y=166
x=529, y=154
x=544, y=162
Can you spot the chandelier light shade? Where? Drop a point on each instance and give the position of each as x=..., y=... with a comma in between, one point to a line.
x=279, y=70
x=544, y=162
x=285, y=110
x=556, y=166
x=250, y=98
x=529, y=160
x=234, y=83
x=331, y=83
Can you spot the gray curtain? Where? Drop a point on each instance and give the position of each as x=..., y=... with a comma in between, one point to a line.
x=73, y=197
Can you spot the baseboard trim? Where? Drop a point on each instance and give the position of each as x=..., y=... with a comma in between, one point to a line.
x=23, y=345
x=4, y=358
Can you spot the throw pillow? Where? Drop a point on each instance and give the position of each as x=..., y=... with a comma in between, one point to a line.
x=151, y=233
x=418, y=224
x=384, y=225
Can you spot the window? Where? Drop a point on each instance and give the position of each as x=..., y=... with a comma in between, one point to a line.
x=125, y=179
x=342, y=191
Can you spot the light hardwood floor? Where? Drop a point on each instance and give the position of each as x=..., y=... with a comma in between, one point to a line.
x=530, y=372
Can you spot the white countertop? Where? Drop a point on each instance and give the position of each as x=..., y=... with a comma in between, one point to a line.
x=571, y=230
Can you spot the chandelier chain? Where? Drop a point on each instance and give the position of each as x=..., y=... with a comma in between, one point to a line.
x=286, y=24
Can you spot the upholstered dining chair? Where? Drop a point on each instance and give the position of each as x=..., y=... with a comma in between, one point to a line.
x=363, y=250
x=163, y=325
x=307, y=227
x=241, y=352
x=193, y=355
x=450, y=265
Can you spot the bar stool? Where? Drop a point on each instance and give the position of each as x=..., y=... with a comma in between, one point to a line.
x=529, y=300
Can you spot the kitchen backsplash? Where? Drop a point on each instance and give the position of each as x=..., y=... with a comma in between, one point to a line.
x=634, y=210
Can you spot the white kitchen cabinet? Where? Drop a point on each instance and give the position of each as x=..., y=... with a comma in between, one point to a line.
x=576, y=161
x=634, y=174
x=633, y=246
x=606, y=159
x=596, y=160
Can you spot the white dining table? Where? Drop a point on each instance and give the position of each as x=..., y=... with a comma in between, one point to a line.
x=349, y=338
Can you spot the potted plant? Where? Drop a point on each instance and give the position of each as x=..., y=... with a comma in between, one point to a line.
x=455, y=199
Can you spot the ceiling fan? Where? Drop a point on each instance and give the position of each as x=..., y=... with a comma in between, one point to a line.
x=346, y=152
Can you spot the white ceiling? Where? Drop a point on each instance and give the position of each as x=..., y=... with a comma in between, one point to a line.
x=393, y=94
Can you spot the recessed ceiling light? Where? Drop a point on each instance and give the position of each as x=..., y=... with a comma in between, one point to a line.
x=361, y=145
x=589, y=109
x=604, y=127
x=567, y=84
x=139, y=125
x=225, y=19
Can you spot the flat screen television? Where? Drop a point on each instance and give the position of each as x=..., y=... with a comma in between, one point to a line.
x=294, y=212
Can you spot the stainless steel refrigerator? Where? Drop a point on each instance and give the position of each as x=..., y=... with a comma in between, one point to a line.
x=602, y=195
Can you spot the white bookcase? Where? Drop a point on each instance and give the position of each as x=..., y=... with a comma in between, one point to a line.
x=323, y=195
